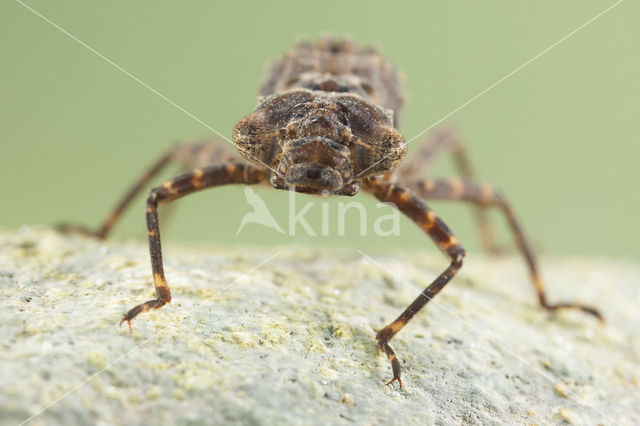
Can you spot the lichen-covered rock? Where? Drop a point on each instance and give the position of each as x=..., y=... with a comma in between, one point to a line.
x=291, y=340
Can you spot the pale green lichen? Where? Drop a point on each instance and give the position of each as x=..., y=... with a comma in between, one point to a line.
x=294, y=341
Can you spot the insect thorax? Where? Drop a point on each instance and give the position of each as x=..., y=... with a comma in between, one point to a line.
x=325, y=118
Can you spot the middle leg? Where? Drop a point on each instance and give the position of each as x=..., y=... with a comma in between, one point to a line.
x=440, y=141
x=484, y=196
x=187, y=154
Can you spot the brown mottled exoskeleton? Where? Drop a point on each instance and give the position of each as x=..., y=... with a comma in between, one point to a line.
x=326, y=124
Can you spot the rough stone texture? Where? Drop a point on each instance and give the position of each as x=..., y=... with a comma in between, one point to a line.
x=293, y=340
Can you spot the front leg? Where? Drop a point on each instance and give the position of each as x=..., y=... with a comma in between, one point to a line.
x=430, y=223
x=171, y=190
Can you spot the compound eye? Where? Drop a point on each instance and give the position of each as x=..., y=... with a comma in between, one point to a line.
x=256, y=139
x=378, y=150
x=379, y=157
x=364, y=159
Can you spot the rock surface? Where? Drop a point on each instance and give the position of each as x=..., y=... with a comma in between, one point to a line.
x=254, y=338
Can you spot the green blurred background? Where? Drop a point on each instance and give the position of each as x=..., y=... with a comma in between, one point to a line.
x=559, y=137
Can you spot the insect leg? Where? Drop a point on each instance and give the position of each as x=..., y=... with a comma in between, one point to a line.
x=439, y=141
x=429, y=222
x=171, y=190
x=484, y=196
x=435, y=143
x=187, y=154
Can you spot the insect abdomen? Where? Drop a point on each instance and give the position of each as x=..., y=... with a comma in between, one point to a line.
x=337, y=65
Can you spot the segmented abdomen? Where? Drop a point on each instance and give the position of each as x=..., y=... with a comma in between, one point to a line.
x=337, y=65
